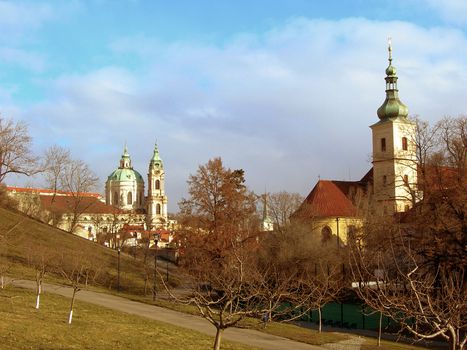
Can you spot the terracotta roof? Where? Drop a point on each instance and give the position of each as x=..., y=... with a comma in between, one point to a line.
x=327, y=199
x=49, y=192
x=65, y=204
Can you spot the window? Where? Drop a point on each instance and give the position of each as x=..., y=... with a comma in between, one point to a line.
x=404, y=143
x=115, y=198
x=158, y=209
x=140, y=198
x=326, y=234
x=158, y=184
x=385, y=180
x=129, y=199
x=383, y=145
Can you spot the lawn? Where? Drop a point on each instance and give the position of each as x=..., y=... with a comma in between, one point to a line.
x=93, y=327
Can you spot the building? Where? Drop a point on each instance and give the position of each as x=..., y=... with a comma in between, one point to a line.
x=125, y=214
x=335, y=208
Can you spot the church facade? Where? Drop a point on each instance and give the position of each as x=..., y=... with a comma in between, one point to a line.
x=336, y=208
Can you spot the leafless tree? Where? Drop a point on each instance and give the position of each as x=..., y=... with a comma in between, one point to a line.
x=41, y=258
x=15, y=149
x=56, y=161
x=412, y=267
x=280, y=206
x=78, y=270
x=77, y=179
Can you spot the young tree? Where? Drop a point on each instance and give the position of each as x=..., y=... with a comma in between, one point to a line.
x=78, y=270
x=41, y=258
x=15, y=149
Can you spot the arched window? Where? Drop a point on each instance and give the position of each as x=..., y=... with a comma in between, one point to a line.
x=404, y=143
x=140, y=198
x=158, y=209
x=115, y=198
x=129, y=198
x=326, y=234
x=158, y=184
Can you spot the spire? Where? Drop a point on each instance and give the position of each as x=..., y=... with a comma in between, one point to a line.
x=125, y=161
x=156, y=159
x=392, y=107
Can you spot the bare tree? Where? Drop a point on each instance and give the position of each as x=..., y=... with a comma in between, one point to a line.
x=41, y=258
x=77, y=179
x=280, y=206
x=15, y=149
x=56, y=161
x=78, y=270
x=412, y=267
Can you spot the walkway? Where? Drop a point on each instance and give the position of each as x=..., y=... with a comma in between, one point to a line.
x=245, y=336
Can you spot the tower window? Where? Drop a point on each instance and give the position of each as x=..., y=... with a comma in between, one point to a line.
x=385, y=180
x=158, y=184
x=404, y=143
x=130, y=198
x=158, y=209
x=383, y=145
x=115, y=198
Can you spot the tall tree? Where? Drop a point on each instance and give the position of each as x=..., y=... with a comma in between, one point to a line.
x=15, y=149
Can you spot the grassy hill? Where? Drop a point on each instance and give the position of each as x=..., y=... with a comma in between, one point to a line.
x=23, y=239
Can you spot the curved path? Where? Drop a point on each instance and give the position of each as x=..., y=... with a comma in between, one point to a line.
x=245, y=336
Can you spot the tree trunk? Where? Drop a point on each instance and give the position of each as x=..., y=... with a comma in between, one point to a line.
x=2, y=282
x=71, y=305
x=379, y=329
x=217, y=341
x=319, y=320
x=38, y=297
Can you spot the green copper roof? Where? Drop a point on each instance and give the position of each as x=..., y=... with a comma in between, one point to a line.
x=156, y=159
x=392, y=107
x=125, y=175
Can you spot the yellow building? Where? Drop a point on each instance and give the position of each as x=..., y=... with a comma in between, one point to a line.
x=336, y=208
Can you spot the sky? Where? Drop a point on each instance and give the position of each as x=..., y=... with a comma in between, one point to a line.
x=284, y=89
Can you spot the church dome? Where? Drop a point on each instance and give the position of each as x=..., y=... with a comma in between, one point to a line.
x=125, y=174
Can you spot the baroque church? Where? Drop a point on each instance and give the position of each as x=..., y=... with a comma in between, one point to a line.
x=126, y=211
x=335, y=208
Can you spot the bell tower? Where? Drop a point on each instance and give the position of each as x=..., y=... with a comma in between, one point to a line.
x=156, y=200
x=394, y=151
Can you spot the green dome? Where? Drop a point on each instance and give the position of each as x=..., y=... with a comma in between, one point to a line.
x=392, y=107
x=125, y=174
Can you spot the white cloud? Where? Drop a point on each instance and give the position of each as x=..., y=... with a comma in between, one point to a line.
x=287, y=105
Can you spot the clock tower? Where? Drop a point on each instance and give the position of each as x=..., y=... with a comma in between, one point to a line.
x=156, y=200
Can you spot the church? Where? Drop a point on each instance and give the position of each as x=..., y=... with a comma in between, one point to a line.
x=335, y=208
x=125, y=213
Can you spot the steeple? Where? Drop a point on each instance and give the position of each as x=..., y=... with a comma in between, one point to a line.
x=125, y=161
x=156, y=159
x=392, y=107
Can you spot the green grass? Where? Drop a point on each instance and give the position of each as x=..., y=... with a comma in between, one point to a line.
x=19, y=243
x=93, y=327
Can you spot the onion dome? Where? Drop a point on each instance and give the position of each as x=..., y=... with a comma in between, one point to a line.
x=156, y=159
x=392, y=107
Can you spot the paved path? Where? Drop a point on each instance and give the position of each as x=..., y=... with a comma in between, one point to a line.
x=244, y=336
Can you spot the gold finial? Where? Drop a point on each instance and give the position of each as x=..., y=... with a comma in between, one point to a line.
x=390, y=48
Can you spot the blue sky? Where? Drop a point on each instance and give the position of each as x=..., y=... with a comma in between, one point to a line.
x=283, y=89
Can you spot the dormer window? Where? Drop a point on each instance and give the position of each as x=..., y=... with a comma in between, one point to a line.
x=383, y=145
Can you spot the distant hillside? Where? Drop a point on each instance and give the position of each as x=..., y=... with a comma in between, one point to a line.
x=22, y=237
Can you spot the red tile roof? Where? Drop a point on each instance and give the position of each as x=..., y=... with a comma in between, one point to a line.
x=49, y=192
x=327, y=199
x=66, y=204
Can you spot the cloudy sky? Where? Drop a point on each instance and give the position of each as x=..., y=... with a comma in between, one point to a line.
x=284, y=89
